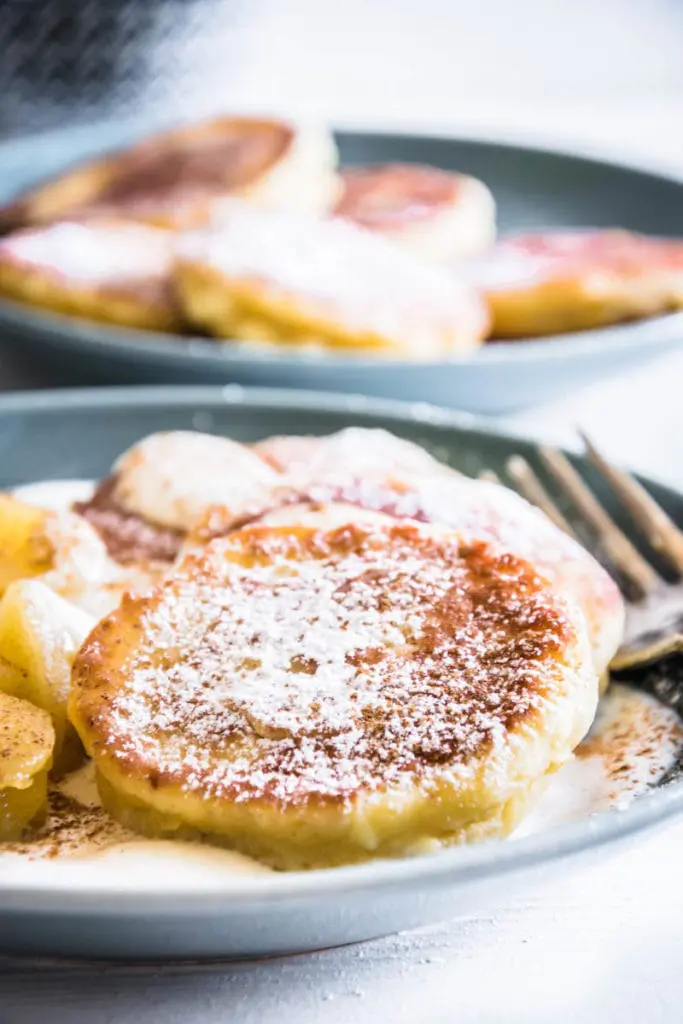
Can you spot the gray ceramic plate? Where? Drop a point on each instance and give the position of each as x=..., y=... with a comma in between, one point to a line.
x=534, y=188
x=72, y=434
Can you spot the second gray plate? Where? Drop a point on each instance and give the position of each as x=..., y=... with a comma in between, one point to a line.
x=534, y=188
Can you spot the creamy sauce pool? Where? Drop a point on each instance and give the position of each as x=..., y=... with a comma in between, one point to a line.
x=58, y=495
x=634, y=741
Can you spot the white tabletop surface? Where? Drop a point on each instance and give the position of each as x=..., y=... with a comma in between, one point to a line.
x=605, y=943
x=601, y=945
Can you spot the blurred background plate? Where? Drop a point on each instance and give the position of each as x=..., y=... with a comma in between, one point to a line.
x=534, y=188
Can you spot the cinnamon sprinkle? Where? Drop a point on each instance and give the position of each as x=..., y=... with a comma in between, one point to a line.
x=293, y=664
x=128, y=537
x=637, y=739
x=71, y=828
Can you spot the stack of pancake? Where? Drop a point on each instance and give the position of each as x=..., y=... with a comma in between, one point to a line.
x=242, y=228
x=246, y=229
x=328, y=649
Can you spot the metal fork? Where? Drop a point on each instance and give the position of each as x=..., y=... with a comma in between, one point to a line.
x=654, y=619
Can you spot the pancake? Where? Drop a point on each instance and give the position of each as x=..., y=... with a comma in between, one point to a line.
x=287, y=452
x=477, y=510
x=438, y=214
x=170, y=478
x=106, y=270
x=26, y=740
x=321, y=516
x=175, y=482
x=315, y=698
x=165, y=484
x=295, y=280
x=358, y=452
x=173, y=179
x=576, y=280
x=160, y=486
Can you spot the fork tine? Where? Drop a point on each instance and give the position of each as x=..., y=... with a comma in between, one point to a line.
x=620, y=551
x=658, y=528
x=531, y=488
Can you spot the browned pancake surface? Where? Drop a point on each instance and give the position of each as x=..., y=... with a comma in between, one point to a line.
x=293, y=665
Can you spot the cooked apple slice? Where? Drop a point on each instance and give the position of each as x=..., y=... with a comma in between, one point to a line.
x=25, y=548
x=26, y=743
x=40, y=633
x=67, y=553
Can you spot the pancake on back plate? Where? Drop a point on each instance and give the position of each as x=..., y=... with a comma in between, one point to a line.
x=575, y=280
x=108, y=270
x=437, y=214
x=319, y=697
x=295, y=280
x=172, y=179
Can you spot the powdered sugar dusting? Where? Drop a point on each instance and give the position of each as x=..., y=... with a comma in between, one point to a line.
x=477, y=510
x=298, y=664
x=335, y=273
x=525, y=260
x=354, y=452
x=95, y=253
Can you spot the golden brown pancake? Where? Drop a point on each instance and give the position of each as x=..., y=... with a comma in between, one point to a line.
x=315, y=698
x=437, y=214
x=575, y=280
x=406, y=487
x=164, y=483
x=294, y=280
x=107, y=270
x=172, y=179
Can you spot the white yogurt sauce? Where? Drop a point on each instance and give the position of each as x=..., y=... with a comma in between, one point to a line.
x=633, y=742
x=55, y=495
